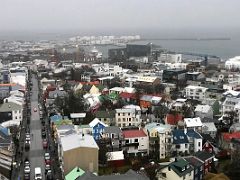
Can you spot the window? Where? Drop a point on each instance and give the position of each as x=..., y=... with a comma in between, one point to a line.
x=127, y=141
x=130, y=124
x=124, y=119
x=186, y=145
x=124, y=124
x=123, y=114
x=119, y=119
x=105, y=119
x=129, y=114
x=199, y=144
x=129, y=119
x=118, y=114
x=135, y=140
x=15, y=117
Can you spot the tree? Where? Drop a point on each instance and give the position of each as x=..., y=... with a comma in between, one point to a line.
x=160, y=111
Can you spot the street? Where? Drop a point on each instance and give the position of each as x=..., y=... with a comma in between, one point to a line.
x=36, y=153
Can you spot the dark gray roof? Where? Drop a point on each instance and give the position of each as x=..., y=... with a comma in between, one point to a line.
x=105, y=114
x=129, y=175
x=194, y=161
x=112, y=129
x=9, y=106
x=202, y=155
x=56, y=93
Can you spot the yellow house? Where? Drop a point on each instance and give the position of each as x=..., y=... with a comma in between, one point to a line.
x=94, y=90
x=77, y=149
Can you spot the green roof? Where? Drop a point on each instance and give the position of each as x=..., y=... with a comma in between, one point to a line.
x=179, y=165
x=113, y=96
x=10, y=106
x=105, y=114
x=74, y=174
x=63, y=122
x=84, y=126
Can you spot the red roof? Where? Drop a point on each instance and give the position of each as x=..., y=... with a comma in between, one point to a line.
x=134, y=133
x=173, y=119
x=229, y=136
x=128, y=95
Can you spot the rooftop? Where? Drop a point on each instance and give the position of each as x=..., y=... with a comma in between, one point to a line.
x=75, y=140
x=134, y=133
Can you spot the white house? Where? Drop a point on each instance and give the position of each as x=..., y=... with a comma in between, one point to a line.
x=193, y=123
x=136, y=142
x=11, y=112
x=195, y=140
x=233, y=63
x=230, y=104
x=180, y=169
x=204, y=111
x=127, y=117
x=209, y=128
x=195, y=92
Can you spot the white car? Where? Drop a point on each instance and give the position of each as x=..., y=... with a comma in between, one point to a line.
x=27, y=169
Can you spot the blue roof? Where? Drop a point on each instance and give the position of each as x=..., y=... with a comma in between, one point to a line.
x=179, y=137
x=193, y=134
x=55, y=118
x=4, y=130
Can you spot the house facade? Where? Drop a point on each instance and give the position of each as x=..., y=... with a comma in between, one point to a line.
x=127, y=117
x=98, y=128
x=178, y=170
x=195, y=92
x=136, y=142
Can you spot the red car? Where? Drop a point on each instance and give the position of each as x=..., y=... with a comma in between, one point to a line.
x=45, y=144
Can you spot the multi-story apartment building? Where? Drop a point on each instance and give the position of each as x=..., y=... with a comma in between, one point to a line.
x=160, y=139
x=195, y=92
x=127, y=117
x=136, y=142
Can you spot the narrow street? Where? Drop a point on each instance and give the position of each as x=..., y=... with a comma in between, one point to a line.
x=36, y=153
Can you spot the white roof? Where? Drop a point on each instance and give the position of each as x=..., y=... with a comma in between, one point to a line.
x=181, y=100
x=116, y=155
x=209, y=126
x=232, y=92
x=78, y=115
x=107, y=77
x=129, y=90
x=196, y=87
x=125, y=110
x=202, y=108
x=76, y=140
x=193, y=122
x=146, y=79
x=10, y=123
x=131, y=106
x=95, y=122
x=118, y=89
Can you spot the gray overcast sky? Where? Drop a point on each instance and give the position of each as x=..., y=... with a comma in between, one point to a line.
x=41, y=15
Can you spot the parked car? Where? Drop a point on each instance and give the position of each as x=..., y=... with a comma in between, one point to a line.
x=45, y=144
x=49, y=175
x=43, y=134
x=27, y=169
x=27, y=144
x=35, y=109
x=47, y=158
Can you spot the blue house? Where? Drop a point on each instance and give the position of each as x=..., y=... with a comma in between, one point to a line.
x=98, y=128
x=180, y=142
